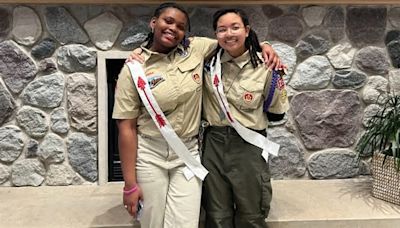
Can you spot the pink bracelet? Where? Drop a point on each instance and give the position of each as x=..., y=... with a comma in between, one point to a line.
x=130, y=191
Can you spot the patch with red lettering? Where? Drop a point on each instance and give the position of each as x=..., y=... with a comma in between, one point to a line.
x=281, y=83
x=196, y=78
x=248, y=97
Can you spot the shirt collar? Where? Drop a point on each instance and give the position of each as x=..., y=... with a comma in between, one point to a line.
x=240, y=61
x=147, y=53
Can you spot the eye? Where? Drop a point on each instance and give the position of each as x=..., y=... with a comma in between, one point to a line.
x=221, y=30
x=169, y=20
x=235, y=28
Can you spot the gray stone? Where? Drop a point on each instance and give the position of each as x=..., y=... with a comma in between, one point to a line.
x=375, y=91
x=5, y=23
x=47, y=66
x=7, y=104
x=312, y=44
x=32, y=149
x=89, y=11
x=201, y=19
x=334, y=23
x=82, y=155
x=16, y=67
x=392, y=35
x=59, y=175
x=290, y=161
x=369, y=112
x=373, y=60
x=59, y=121
x=82, y=102
x=349, y=79
x=28, y=172
x=133, y=35
x=33, y=121
x=288, y=57
x=285, y=28
x=394, y=52
x=63, y=27
x=259, y=22
x=134, y=41
x=51, y=150
x=394, y=17
x=5, y=173
x=272, y=11
x=333, y=164
x=394, y=81
x=366, y=25
x=11, y=143
x=44, y=49
x=329, y=118
x=341, y=56
x=27, y=27
x=45, y=92
x=313, y=15
x=314, y=73
x=76, y=57
x=103, y=30
x=365, y=168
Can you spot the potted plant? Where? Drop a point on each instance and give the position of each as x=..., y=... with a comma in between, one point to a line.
x=381, y=140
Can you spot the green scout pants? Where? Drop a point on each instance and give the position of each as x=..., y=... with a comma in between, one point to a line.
x=237, y=191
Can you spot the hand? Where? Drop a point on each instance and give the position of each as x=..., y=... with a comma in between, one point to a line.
x=135, y=55
x=131, y=201
x=271, y=58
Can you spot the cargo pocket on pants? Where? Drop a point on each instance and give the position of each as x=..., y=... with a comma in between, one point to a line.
x=266, y=193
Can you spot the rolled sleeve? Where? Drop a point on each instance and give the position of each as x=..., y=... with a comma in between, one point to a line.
x=127, y=102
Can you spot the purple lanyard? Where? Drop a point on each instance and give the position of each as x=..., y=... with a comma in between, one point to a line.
x=267, y=102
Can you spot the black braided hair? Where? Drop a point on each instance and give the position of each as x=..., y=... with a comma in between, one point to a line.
x=160, y=9
x=251, y=43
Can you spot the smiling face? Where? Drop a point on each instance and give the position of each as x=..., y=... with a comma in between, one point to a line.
x=169, y=30
x=231, y=34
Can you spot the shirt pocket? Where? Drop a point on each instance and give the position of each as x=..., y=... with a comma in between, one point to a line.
x=250, y=95
x=192, y=79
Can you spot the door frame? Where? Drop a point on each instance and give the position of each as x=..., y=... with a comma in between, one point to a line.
x=102, y=111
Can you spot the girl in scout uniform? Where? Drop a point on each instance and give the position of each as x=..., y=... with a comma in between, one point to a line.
x=153, y=170
x=238, y=99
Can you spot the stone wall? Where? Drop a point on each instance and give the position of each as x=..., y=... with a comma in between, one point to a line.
x=340, y=59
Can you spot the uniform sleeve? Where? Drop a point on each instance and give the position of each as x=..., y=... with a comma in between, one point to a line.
x=280, y=102
x=206, y=45
x=127, y=101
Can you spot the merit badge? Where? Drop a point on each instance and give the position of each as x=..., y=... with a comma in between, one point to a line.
x=196, y=78
x=281, y=82
x=248, y=97
x=155, y=80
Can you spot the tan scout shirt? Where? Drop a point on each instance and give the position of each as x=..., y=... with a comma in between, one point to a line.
x=176, y=81
x=245, y=88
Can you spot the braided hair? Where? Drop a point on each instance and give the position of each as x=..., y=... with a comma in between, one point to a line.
x=160, y=9
x=251, y=43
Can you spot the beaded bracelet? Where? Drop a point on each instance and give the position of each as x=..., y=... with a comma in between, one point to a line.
x=130, y=191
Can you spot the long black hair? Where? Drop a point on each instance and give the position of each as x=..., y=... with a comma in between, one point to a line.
x=251, y=43
x=160, y=9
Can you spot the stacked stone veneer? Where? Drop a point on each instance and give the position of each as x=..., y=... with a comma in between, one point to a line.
x=340, y=59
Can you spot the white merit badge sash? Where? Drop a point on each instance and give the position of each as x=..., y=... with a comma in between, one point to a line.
x=248, y=135
x=194, y=166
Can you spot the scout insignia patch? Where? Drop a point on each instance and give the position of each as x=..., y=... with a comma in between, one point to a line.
x=196, y=78
x=155, y=80
x=281, y=82
x=248, y=97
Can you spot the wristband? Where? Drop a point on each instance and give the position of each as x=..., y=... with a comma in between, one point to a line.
x=130, y=191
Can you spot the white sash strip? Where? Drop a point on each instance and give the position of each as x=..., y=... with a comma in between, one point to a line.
x=162, y=123
x=248, y=135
